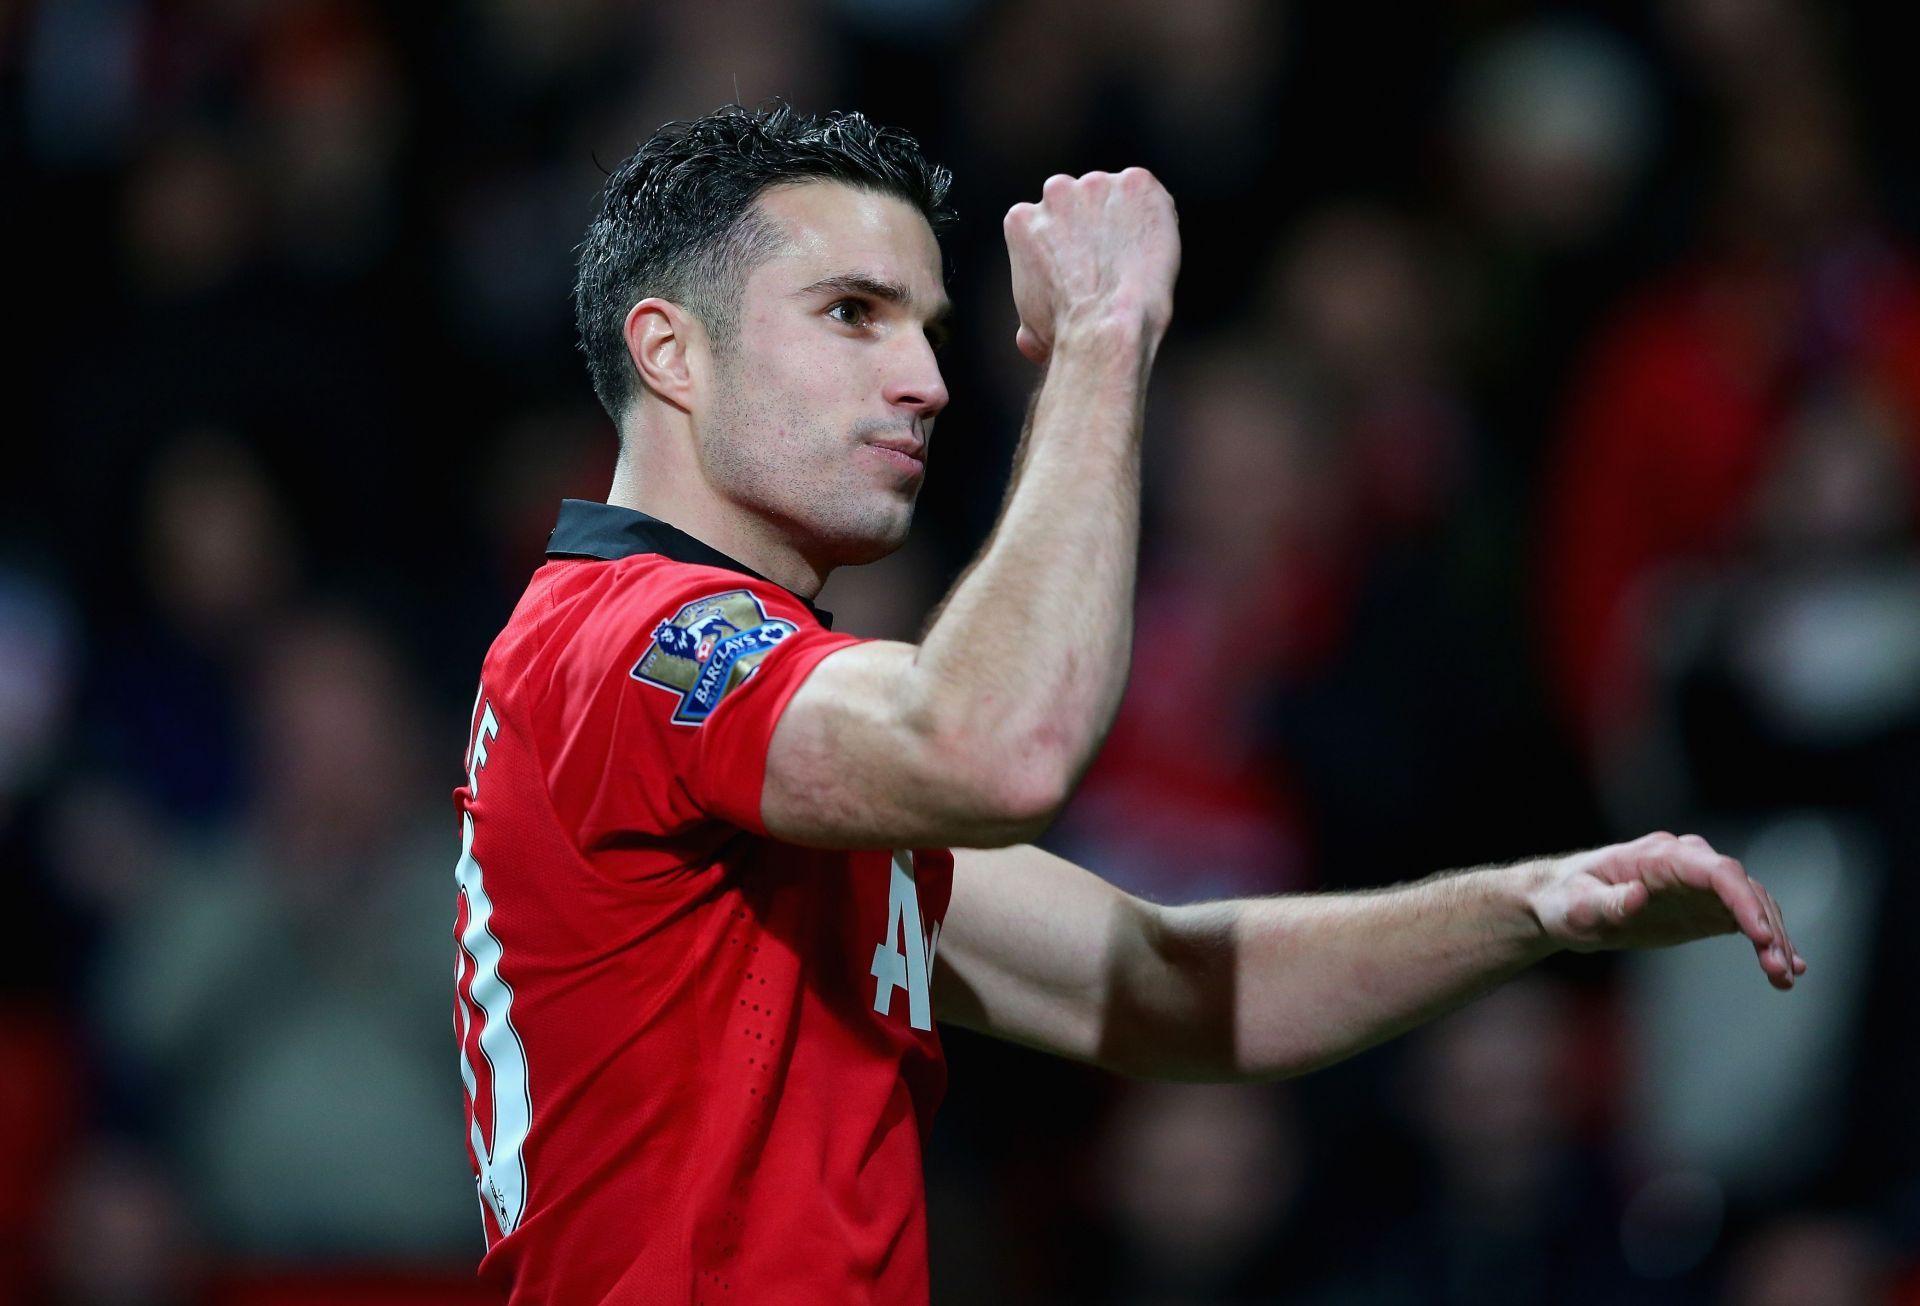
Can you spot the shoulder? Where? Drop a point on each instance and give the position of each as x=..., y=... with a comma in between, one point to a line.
x=684, y=635
x=604, y=612
x=650, y=590
x=708, y=631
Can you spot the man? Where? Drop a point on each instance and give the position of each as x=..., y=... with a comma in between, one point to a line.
x=708, y=910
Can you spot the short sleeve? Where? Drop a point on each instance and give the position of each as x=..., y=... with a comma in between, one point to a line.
x=716, y=668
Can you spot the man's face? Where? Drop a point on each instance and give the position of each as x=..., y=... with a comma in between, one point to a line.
x=821, y=409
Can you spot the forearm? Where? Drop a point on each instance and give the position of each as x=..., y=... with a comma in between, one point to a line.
x=1271, y=987
x=1025, y=662
x=976, y=735
x=1045, y=953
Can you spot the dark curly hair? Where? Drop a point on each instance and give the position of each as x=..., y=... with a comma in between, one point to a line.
x=677, y=218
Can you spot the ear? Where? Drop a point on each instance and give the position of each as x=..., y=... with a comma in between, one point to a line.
x=668, y=348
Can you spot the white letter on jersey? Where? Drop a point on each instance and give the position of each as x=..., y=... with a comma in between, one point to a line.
x=903, y=960
x=503, y=1170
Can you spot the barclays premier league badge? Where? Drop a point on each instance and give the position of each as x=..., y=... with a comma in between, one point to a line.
x=708, y=648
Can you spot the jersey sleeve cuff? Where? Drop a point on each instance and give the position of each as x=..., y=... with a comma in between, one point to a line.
x=734, y=756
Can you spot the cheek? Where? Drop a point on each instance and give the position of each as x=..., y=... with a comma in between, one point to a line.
x=790, y=367
x=789, y=399
x=822, y=370
x=808, y=354
x=770, y=433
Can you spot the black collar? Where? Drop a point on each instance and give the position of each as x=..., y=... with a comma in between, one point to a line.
x=587, y=529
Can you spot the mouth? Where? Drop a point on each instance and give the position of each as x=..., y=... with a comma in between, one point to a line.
x=904, y=453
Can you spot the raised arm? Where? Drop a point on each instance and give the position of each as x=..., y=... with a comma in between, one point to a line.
x=977, y=735
x=1039, y=951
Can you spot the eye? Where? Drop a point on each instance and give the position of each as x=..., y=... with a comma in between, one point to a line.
x=849, y=311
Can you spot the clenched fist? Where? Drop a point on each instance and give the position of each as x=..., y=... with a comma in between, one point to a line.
x=1102, y=249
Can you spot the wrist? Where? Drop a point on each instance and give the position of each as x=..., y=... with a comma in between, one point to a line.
x=1527, y=883
x=1109, y=331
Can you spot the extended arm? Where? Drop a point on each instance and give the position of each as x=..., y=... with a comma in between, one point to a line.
x=1039, y=951
x=977, y=735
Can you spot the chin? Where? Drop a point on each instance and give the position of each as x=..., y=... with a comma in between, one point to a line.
x=871, y=541
x=858, y=553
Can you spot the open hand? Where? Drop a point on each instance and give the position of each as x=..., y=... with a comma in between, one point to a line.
x=1659, y=891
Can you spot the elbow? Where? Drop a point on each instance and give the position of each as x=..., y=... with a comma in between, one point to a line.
x=1011, y=795
x=1017, y=799
x=1034, y=768
x=1003, y=780
x=1032, y=788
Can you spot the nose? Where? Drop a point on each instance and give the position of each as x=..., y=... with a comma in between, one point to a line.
x=913, y=380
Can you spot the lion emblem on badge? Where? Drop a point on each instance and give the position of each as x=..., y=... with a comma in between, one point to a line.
x=707, y=649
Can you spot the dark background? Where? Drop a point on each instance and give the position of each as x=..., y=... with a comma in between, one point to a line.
x=1533, y=463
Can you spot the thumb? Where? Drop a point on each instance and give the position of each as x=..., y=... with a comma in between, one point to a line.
x=1619, y=902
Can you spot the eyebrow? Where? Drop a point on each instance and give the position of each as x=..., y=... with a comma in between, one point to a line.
x=891, y=292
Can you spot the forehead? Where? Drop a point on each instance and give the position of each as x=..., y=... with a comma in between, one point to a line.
x=832, y=228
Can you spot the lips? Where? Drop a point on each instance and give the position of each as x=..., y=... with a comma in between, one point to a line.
x=914, y=449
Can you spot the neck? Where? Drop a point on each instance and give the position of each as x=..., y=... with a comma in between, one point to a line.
x=687, y=503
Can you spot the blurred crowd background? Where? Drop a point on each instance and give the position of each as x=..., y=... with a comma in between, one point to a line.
x=1535, y=461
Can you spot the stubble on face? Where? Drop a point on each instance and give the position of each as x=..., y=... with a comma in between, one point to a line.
x=765, y=450
x=791, y=405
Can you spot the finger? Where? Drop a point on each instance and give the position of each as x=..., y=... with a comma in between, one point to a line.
x=1784, y=959
x=1775, y=959
x=1619, y=902
x=1788, y=947
x=1744, y=903
x=1780, y=941
x=1691, y=861
x=1774, y=919
x=1789, y=954
x=1739, y=894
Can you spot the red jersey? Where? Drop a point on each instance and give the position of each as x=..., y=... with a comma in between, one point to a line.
x=700, y=1063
